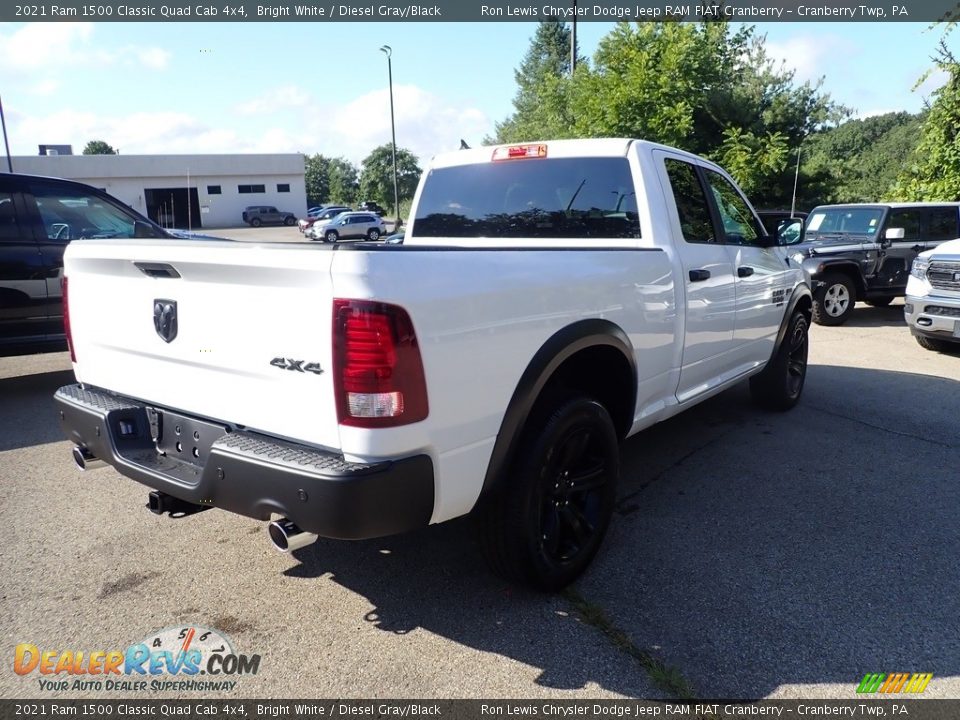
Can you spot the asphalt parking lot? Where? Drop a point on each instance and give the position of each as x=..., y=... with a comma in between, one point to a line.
x=751, y=555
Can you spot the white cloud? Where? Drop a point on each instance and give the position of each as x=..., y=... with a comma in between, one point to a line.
x=279, y=99
x=426, y=125
x=50, y=46
x=809, y=56
x=934, y=81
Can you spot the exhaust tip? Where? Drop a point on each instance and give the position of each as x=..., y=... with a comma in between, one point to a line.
x=286, y=536
x=84, y=459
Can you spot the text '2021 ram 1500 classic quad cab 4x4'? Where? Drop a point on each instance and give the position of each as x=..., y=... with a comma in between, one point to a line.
x=864, y=251
x=549, y=300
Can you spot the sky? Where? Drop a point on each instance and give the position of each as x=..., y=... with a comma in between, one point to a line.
x=323, y=87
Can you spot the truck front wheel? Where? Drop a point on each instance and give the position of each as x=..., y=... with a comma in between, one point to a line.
x=778, y=386
x=834, y=300
x=545, y=522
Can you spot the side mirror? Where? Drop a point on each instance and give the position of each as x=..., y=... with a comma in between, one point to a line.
x=894, y=233
x=790, y=232
x=145, y=230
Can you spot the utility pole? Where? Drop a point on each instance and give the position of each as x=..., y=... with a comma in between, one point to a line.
x=573, y=41
x=6, y=144
x=388, y=51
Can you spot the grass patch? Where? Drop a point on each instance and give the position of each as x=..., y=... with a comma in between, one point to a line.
x=669, y=679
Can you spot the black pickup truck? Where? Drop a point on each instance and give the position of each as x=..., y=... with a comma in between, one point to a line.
x=864, y=251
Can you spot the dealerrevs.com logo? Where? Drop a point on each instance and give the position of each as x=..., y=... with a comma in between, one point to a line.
x=173, y=659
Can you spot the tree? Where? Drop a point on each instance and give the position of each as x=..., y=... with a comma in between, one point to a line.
x=316, y=178
x=541, y=81
x=935, y=172
x=703, y=87
x=376, y=177
x=344, y=184
x=98, y=147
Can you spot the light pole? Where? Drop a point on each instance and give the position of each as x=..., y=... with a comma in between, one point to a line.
x=388, y=51
x=6, y=144
x=796, y=177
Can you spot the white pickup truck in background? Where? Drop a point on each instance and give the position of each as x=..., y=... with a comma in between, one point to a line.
x=549, y=300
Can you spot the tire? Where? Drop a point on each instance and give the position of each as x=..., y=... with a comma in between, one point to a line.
x=331, y=236
x=255, y=222
x=290, y=221
x=779, y=385
x=933, y=344
x=879, y=302
x=833, y=302
x=539, y=528
x=373, y=234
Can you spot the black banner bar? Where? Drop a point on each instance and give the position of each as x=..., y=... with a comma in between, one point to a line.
x=481, y=11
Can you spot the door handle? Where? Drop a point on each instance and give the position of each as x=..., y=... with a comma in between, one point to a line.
x=699, y=275
x=744, y=271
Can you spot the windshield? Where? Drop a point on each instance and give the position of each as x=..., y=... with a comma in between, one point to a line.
x=857, y=221
x=537, y=198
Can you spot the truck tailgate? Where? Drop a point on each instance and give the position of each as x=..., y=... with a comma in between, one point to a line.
x=251, y=343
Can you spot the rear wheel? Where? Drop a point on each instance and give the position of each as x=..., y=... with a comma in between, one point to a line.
x=834, y=301
x=545, y=522
x=779, y=385
x=373, y=234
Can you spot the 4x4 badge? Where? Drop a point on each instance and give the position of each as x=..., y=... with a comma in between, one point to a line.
x=165, y=318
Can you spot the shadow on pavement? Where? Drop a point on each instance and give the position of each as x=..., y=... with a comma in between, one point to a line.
x=750, y=550
x=27, y=417
x=866, y=316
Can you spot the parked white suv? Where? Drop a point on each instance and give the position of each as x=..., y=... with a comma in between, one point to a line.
x=932, y=308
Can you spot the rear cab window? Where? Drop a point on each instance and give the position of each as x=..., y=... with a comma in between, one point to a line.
x=543, y=198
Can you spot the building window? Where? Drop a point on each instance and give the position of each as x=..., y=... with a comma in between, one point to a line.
x=213, y=190
x=283, y=187
x=250, y=189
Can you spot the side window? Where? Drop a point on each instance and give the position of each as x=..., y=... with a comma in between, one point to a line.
x=695, y=222
x=9, y=226
x=908, y=219
x=942, y=224
x=70, y=214
x=739, y=225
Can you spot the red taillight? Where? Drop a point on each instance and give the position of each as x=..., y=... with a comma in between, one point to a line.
x=378, y=372
x=66, y=320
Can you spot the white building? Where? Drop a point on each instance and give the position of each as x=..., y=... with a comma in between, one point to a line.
x=185, y=191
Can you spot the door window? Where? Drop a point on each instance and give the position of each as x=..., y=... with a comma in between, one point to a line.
x=9, y=225
x=739, y=225
x=942, y=224
x=692, y=208
x=70, y=214
x=908, y=219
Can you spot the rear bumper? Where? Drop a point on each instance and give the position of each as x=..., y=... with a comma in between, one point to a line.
x=251, y=474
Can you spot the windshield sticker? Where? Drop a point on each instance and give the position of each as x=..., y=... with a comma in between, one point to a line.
x=815, y=221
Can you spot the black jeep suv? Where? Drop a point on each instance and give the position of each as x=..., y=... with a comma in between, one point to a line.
x=864, y=251
x=38, y=217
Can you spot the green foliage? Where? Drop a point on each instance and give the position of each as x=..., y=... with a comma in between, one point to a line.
x=376, y=177
x=934, y=173
x=98, y=147
x=857, y=161
x=330, y=180
x=540, y=102
x=702, y=87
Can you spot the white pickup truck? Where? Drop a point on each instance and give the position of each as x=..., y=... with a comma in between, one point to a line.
x=549, y=300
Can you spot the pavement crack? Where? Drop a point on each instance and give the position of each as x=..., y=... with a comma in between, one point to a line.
x=667, y=678
x=885, y=429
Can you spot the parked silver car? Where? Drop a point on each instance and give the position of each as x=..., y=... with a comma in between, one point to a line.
x=351, y=225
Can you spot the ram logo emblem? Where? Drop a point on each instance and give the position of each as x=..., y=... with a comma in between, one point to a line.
x=165, y=318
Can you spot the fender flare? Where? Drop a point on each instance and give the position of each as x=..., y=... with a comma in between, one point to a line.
x=800, y=291
x=562, y=345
